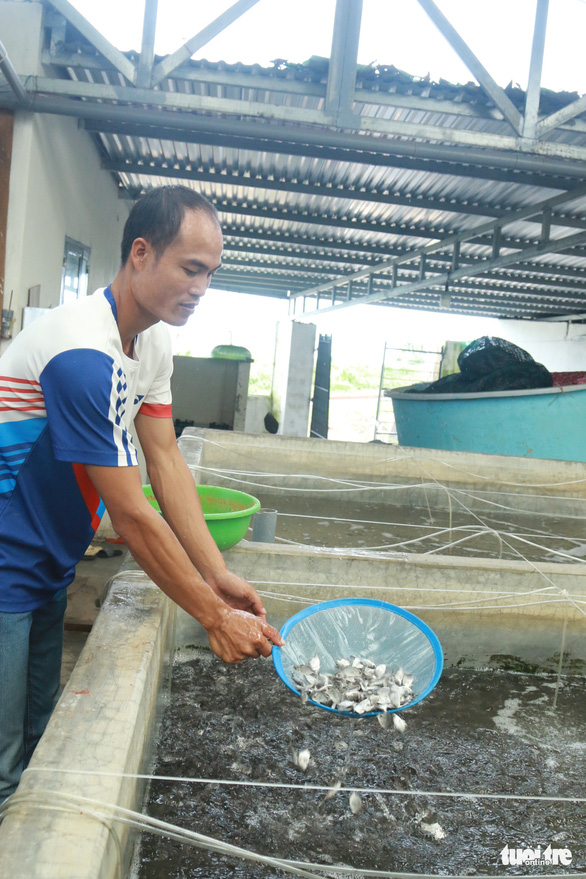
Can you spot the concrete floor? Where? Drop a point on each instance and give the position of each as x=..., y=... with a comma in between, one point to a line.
x=84, y=597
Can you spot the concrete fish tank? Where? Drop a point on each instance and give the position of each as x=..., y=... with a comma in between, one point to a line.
x=493, y=757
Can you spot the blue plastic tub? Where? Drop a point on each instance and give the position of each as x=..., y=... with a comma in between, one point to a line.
x=542, y=423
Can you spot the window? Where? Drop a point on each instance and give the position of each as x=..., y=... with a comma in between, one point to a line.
x=74, y=280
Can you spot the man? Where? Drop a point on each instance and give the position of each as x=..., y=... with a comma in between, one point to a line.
x=73, y=385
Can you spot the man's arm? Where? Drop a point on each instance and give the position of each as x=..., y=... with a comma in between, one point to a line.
x=233, y=634
x=175, y=490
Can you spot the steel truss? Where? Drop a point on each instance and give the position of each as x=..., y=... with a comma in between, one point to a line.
x=329, y=245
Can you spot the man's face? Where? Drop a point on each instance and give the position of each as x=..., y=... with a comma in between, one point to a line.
x=169, y=287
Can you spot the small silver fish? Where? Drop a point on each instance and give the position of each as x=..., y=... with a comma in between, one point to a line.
x=362, y=707
x=301, y=758
x=385, y=720
x=333, y=790
x=315, y=664
x=355, y=803
x=358, y=685
x=400, y=724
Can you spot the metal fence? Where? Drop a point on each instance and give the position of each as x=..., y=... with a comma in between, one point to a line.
x=401, y=367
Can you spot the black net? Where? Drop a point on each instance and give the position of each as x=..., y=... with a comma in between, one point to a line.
x=491, y=364
x=489, y=352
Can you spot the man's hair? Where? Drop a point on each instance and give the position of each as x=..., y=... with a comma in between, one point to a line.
x=157, y=217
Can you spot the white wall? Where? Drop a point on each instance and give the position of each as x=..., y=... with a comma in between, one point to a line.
x=57, y=189
x=559, y=345
x=21, y=33
x=57, y=186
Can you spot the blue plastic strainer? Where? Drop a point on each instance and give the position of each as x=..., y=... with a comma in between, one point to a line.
x=366, y=628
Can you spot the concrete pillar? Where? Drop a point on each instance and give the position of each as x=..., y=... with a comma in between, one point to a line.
x=292, y=376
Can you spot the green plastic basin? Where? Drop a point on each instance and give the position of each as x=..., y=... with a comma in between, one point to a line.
x=227, y=512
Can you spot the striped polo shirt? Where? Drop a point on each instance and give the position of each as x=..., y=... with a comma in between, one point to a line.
x=68, y=397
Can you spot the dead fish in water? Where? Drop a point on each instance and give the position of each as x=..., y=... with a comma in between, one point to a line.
x=358, y=686
x=435, y=830
x=333, y=790
x=301, y=758
x=355, y=803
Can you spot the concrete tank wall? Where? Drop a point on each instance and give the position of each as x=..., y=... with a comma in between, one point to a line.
x=97, y=741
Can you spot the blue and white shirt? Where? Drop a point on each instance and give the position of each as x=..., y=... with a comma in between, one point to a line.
x=68, y=397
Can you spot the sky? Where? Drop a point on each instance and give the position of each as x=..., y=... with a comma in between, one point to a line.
x=394, y=32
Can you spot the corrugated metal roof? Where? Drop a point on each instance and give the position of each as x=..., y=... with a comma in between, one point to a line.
x=299, y=213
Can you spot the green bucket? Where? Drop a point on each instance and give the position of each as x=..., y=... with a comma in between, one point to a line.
x=227, y=512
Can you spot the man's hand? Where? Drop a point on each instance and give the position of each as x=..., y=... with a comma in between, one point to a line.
x=234, y=634
x=240, y=635
x=236, y=592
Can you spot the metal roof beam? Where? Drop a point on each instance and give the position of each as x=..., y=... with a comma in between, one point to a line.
x=276, y=286
x=147, y=52
x=498, y=300
x=493, y=281
x=295, y=268
x=497, y=291
x=461, y=298
x=398, y=128
x=296, y=253
x=516, y=303
x=250, y=81
x=188, y=103
x=313, y=219
x=361, y=157
x=385, y=197
x=342, y=66
x=357, y=224
x=534, y=84
x=554, y=120
x=467, y=272
x=488, y=229
x=471, y=305
x=362, y=249
x=171, y=62
x=286, y=113
x=467, y=305
x=80, y=61
x=485, y=80
x=515, y=274
x=261, y=234
x=497, y=285
x=477, y=235
x=114, y=56
x=358, y=147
